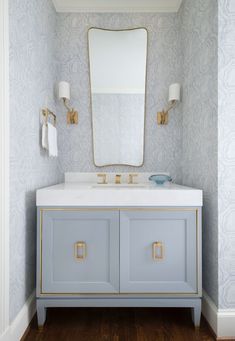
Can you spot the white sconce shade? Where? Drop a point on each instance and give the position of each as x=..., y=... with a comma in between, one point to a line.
x=174, y=92
x=64, y=90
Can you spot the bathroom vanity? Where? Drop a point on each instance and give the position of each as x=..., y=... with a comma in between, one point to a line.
x=118, y=245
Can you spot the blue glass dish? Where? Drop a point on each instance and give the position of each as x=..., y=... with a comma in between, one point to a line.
x=160, y=179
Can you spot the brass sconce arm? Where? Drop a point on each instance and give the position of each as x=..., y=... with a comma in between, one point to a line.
x=162, y=116
x=66, y=104
x=72, y=115
x=171, y=106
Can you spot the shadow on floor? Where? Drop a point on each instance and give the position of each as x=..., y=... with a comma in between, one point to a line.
x=119, y=324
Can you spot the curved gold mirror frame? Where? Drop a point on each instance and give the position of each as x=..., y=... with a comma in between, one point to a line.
x=97, y=89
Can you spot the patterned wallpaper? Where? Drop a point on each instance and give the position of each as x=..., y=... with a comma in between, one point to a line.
x=200, y=140
x=163, y=144
x=46, y=48
x=226, y=154
x=34, y=65
x=32, y=73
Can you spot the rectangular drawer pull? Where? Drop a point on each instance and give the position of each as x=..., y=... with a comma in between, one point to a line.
x=80, y=251
x=157, y=249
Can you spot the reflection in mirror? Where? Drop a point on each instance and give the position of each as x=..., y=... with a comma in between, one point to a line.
x=118, y=82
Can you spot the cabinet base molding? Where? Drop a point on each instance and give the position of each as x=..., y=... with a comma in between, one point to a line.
x=194, y=304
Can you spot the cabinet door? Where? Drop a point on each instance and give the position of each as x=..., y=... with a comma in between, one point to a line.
x=79, y=252
x=158, y=252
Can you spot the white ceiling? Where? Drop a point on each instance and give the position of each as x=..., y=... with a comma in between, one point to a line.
x=117, y=5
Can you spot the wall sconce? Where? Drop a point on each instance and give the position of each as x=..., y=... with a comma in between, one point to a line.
x=64, y=94
x=174, y=98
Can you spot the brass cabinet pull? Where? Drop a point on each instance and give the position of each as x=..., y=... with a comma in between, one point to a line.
x=80, y=251
x=157, y=248
x=103, y=179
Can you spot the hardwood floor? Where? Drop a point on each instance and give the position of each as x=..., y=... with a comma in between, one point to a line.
x=118, y=324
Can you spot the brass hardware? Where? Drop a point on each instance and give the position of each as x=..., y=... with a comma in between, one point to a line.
x=131, y=179
x=80, y=251
x=72, y=115
x=103, y=176
x=46, y=113
x=162, y=116
x=118, y=179
x=123, y=294
x=157, y=249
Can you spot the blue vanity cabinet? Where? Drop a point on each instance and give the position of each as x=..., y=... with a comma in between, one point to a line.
x=158, y=252
x=119, y=257
x=79, y=252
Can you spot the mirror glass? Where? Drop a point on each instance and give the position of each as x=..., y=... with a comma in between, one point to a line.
x=118, y=84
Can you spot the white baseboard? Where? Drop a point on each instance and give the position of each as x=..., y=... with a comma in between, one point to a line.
x=210, y=311
x=222, y=321
x=22, y=321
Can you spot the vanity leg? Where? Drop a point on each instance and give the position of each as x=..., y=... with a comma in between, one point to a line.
x=41, y=315
x=196, y=313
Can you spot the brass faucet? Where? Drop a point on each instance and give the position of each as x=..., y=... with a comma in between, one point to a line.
x=103, y=177
x=131, y=177
x=118, y=179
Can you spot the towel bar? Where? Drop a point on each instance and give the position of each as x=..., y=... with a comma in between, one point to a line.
x=46, y=112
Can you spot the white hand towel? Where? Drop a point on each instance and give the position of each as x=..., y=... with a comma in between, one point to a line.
x=44, y=136
x=52, y=140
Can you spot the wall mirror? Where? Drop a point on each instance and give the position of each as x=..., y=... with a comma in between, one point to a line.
x=118, y=60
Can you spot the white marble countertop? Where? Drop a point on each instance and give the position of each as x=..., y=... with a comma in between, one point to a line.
x=75, y=192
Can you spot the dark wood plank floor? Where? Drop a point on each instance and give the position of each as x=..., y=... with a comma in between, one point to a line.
x=119, y=324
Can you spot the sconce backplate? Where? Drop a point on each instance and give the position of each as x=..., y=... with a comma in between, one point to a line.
x=162, y=118
x=72, y=117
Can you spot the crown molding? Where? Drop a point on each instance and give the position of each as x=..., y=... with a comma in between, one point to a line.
x=157, y=6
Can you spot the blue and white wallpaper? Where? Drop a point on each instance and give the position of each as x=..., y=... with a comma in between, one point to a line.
x=162, y=144
x=46, y=47
x=199, y=26
x=226, y=154
x=32, y=77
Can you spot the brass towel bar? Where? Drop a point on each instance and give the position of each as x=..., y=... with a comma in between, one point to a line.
x=46, y=113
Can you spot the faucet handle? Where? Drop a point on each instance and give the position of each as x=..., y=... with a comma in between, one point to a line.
x=118, y=179
x=103, y=177
x=131, y=179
